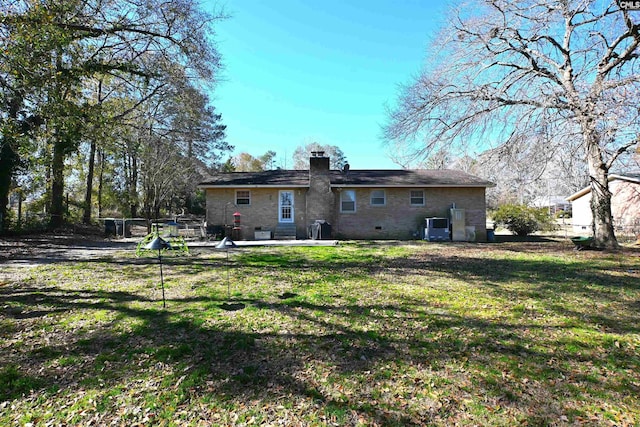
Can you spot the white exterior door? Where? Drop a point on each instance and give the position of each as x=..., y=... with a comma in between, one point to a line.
x=285, y=206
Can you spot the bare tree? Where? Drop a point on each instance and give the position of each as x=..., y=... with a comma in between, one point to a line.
x=301, y=155
x=507, y=69
x=245, y=162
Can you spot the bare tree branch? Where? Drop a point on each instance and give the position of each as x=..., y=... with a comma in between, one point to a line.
x=513, y=68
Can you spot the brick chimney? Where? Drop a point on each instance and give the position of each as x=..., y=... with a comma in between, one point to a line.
x=318, y=163
x=320, y=198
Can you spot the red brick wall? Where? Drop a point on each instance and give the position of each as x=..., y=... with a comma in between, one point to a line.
x=625, y=202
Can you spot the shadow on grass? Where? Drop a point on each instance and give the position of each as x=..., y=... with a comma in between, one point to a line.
x=520, y=364
x=602, y=278
x=549, y=280
x=503, y=238
x=240, y=361
x=243, y=364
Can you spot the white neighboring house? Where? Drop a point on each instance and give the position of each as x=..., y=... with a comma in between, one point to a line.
x=552, y=203
x=625, y=205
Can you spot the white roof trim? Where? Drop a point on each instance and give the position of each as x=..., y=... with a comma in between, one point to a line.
x=579, y=194
x=624, y=178
x=612, y=177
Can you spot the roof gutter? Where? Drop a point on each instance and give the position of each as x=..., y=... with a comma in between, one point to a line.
x=612, y=177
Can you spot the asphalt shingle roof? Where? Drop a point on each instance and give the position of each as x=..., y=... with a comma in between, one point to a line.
x=274, y=178
x=365, y=178
x=408, y=178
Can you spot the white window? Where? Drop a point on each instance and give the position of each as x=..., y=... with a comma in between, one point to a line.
x=348, y=201
x=243, y=197
x=417, y=198
x=286, y=206
x=378, y=198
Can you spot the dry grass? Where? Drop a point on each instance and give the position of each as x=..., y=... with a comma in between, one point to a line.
x=380, y=333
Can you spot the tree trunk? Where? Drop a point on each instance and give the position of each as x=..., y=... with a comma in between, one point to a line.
x=133, y=187
x=602, y=223
x=57, y=185
x=8, y=161
x=86, y=218
x=19, y=209
x=100, y=181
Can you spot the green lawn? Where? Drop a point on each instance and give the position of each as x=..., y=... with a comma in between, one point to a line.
x=366, y=333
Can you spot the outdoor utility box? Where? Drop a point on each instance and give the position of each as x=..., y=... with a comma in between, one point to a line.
x=320, y=230
x=260, y=234
x=437, y=229
x=458, y=225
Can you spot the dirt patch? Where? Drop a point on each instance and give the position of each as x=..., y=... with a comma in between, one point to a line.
x=41, y=249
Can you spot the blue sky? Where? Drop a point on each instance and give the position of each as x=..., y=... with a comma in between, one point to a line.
x=303, y=71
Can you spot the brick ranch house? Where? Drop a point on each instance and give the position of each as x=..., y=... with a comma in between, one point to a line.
x=625, y=205
x=357, y=204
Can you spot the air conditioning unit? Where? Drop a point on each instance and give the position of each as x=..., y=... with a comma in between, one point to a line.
x=437, y=229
